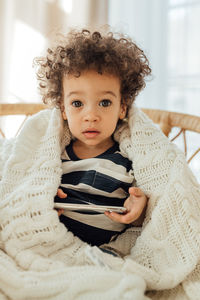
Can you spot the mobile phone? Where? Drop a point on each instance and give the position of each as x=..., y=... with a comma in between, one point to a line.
x=89, y=207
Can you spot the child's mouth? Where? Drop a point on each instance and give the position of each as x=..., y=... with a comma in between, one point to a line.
x=91, y=133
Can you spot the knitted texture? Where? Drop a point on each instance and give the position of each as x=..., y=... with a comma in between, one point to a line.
x=40, y=259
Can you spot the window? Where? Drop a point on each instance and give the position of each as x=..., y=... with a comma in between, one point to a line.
x=184, y=56
x=168, y=32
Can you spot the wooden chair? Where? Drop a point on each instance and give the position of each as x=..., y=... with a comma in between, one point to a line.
x=167, y=120
x=25, y=109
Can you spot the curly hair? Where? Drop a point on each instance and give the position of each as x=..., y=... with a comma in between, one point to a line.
x=84, y=50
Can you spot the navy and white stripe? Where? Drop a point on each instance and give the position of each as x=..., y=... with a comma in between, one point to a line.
x=102, y=180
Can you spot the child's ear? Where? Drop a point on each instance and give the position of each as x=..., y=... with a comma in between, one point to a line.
x=64, y=115
x=62, y=108
x=123, y=110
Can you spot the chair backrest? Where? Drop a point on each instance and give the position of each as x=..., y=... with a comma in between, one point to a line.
x=20, y=108
x=24, y=109
x=168, y=120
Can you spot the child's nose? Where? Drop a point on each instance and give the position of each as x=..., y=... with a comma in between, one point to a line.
x=91, y=116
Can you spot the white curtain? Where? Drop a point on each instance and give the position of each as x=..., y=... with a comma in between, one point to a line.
x=145, y=22
x=26, y=28
x=168, y=32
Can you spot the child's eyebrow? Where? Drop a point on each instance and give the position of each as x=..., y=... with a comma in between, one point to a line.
x=74, y=93
x=108, y=92
x=101, y=93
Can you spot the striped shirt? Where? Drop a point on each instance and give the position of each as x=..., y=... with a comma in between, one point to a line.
x=101, y=180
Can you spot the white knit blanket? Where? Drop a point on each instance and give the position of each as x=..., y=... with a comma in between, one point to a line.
x=40, y=259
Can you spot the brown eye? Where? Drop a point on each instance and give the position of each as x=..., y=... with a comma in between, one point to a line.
x=105, y=103
x=77, y=103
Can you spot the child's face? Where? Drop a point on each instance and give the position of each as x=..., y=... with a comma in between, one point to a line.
x=92, y=107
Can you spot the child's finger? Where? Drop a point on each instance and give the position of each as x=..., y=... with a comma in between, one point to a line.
x=135, y=191
x=60, y=212
x=122, y=218
x=134, y=210
x=61, y=194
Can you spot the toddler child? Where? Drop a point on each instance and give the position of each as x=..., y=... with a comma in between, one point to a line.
x=94, y=78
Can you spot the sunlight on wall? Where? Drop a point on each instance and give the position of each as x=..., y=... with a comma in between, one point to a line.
x=27, y=44
x=66, y=5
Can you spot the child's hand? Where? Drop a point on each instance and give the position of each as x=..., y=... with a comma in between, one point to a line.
x=136, y=207
x=60, y=194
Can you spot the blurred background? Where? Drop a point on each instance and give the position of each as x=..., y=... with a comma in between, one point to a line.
x=167, y=31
